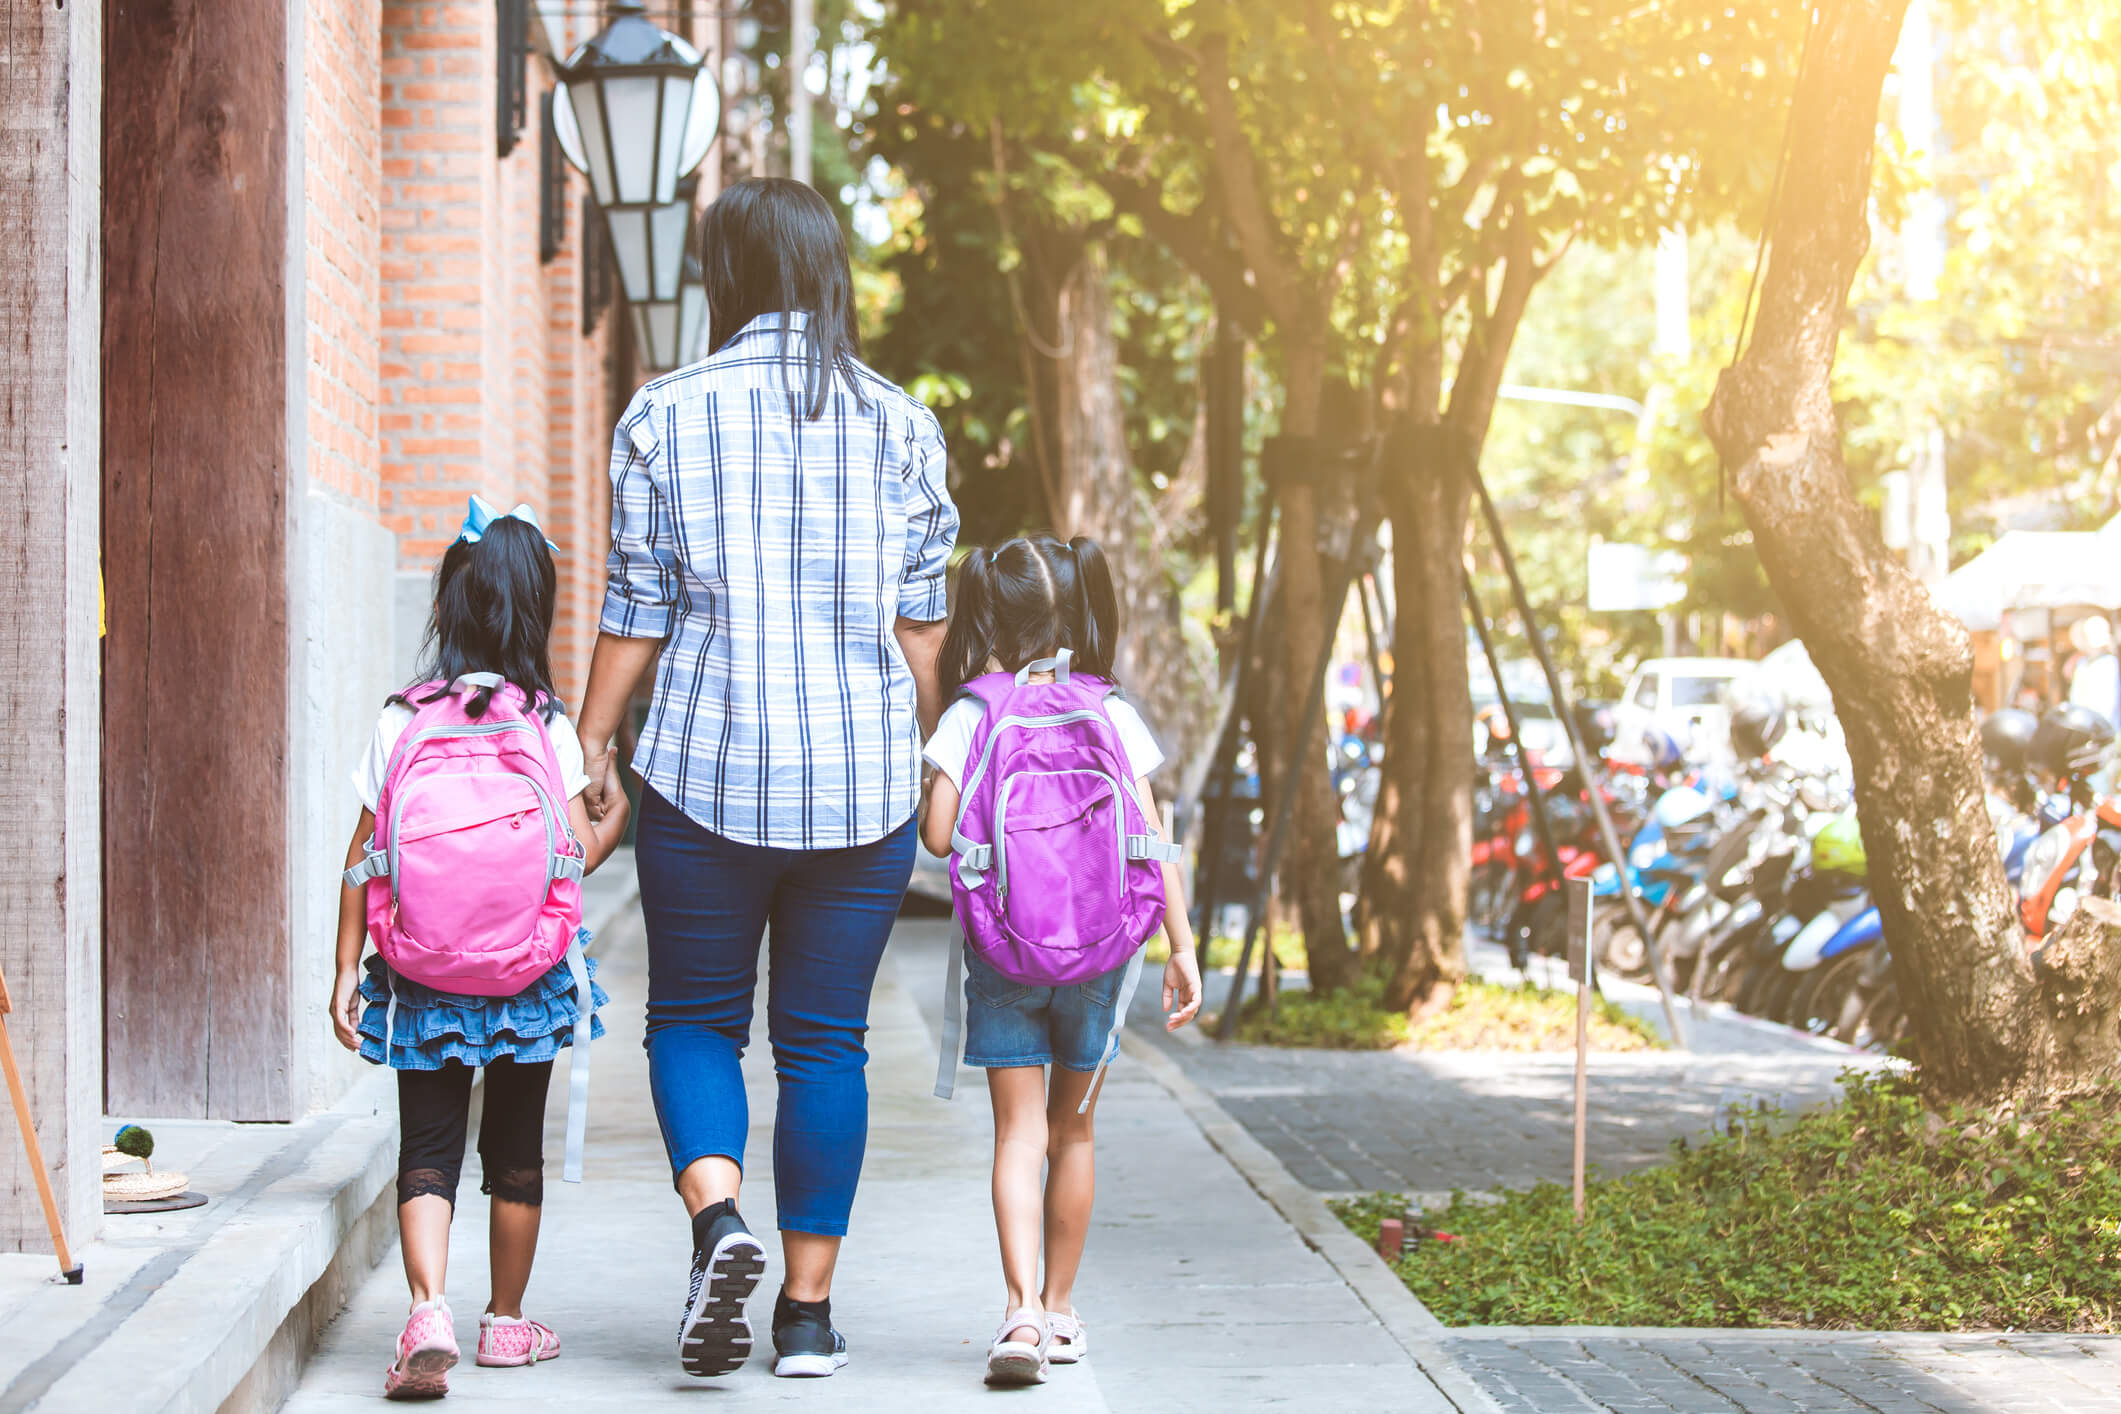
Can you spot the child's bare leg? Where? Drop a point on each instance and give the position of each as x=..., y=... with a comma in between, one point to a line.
x=1019, y=1097
x=423, y=1234
x=512, y=1246
x=1071, y=1184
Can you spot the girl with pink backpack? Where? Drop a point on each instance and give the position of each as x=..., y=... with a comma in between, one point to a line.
x=465, y=871
x=1060, y=873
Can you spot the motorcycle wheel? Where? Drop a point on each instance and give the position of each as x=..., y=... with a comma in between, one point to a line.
x=1619, y=947
x=1722, y=969
x=1882, y=1025
x=1829, y=999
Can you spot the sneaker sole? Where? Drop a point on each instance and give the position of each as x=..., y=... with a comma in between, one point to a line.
x=717, y=1336
x=426, y=1376
x=1013, y=1369
x=809, y=1367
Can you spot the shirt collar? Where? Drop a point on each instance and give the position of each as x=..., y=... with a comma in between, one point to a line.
x=795, y=320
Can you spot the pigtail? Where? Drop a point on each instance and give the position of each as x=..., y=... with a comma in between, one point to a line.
x=969, y=641
x=1097, y=607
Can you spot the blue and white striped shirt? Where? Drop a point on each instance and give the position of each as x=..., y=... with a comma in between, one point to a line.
x=775, y=555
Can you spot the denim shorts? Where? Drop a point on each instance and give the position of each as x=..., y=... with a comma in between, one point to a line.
x=1008, y=1023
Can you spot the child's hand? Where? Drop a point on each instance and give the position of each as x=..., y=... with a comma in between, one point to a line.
x=346, y=1009
x=1181, y=985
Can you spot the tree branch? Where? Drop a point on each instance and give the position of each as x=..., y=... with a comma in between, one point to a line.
x=1257, y=236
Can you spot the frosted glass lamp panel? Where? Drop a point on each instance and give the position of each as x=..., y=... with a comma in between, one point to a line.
x=630, y=247
x=630, y=105
x=669, y=224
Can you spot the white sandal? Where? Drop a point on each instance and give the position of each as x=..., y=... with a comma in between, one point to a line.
x=1018, y=1362
x=1071, y=1341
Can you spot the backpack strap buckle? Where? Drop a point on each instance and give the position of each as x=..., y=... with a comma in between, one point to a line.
x=566, y=866
x=1152, y=848
x=375, y=864
x=973, y=859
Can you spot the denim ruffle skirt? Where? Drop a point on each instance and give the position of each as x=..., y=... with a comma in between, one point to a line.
x=434, y=1028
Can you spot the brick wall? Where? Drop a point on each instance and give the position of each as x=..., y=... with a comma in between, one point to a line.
x=486, y=383
x=340, y=141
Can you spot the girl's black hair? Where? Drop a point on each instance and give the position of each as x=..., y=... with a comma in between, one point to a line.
x=1020, y=602
x=769, y=245
x=494, y=599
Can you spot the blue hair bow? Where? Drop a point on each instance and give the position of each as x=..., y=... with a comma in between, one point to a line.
x=478, y=515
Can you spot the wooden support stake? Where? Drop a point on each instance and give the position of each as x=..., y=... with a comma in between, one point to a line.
x=68, y=1269
x=1580, y=971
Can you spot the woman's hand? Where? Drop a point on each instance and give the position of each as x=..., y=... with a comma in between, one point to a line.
x=346, y=1009
x=1181, y=986
x=598, y=765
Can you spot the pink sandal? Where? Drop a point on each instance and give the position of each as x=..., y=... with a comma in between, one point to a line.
x=427, y=1349
x=506, y=1341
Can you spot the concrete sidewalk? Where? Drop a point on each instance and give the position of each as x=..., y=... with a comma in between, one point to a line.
x=1199, y=1293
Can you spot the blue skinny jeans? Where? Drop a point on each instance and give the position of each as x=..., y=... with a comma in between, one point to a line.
x=708, y=901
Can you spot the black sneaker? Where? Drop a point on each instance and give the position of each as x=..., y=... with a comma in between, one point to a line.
x=804, y=1340
x=727, y=1262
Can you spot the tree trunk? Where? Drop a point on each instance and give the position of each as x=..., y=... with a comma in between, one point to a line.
x=1413, y=912
x=1990, y=1022
x=1310, y=868
x=1100, y=495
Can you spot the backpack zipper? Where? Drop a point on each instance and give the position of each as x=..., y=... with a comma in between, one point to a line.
x=545, y=805
x=1001, y=826
x=979, y=770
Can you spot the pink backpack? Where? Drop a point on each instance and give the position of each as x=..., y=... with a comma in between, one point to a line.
x=473, y=873
x=1057, y=867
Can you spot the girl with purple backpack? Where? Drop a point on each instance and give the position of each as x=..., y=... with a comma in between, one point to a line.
x=465, y=871
x=1061, y=874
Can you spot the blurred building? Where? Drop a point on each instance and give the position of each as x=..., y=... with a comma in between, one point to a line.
x=286, y=281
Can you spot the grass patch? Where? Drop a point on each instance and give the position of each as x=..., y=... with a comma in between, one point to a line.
x=1481, y=1016
x=1222, y=950
x=1875, y=1214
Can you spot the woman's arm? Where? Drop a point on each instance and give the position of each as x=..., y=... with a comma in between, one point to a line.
x=923, y=646
x=353, y=936
x=615, y=671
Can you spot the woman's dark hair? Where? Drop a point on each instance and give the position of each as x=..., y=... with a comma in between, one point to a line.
x=769, y=245
x=493, y=614
x=1020, y=602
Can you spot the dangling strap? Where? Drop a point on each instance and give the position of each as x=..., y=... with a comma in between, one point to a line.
x=1119, y=1019
x=953, y=1021
x=1056, y=665
x=390, y=1010
x=578, y=1063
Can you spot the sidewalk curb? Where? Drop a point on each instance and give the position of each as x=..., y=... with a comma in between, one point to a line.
x=1401, y=1313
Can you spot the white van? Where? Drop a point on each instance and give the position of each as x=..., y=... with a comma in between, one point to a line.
x=1685, y=696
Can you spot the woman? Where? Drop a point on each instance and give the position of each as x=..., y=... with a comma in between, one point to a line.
x=780, y=530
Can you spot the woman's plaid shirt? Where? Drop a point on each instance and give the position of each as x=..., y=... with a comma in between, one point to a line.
x=774, y=554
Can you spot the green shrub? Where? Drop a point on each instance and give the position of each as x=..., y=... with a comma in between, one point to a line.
x=1480, y=1016
x=1877, y=1213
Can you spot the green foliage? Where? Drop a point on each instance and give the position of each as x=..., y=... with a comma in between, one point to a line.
x=1351, y=1019
x=1480, y=1016
x=1874, y=1214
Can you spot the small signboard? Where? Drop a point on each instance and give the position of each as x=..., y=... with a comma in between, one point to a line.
x=1579, y=896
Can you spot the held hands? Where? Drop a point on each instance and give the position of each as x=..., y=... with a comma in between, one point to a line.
x=600, y=764
x=346, y=1009
x=1182, y=987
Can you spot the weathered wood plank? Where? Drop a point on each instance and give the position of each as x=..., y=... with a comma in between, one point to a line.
x=50, y=100
x=195, y=227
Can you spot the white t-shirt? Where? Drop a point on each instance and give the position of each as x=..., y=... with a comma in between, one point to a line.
x=951, y=745
x=396, y=717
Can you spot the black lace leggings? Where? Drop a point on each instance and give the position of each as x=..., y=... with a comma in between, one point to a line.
x=434, y=1116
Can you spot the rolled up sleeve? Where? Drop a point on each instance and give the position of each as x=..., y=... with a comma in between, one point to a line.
x=641, y=575
x=931, y=527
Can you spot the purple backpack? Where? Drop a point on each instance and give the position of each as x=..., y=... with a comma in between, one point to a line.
x=1056, y=865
